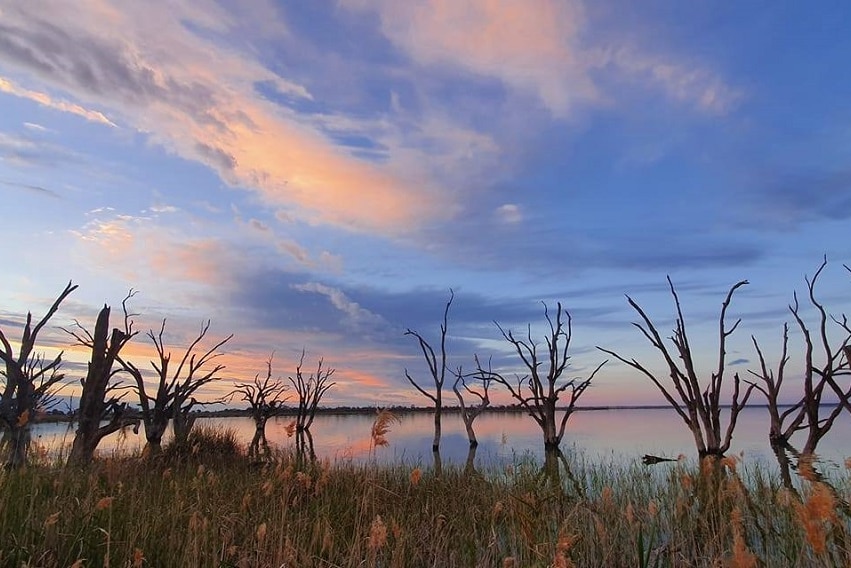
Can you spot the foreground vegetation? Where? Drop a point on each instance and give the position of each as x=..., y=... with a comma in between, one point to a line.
x=205, y=504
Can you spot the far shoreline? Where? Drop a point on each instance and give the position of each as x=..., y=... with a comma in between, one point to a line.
x=55, y=416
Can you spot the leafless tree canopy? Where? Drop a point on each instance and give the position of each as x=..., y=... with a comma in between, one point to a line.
x=697, y=404
x=265, y=397
x=174, y=397
x=28, y=380
x=310, y=389
x=476, y=386
x=826, y=390
x=543, y=385
x=437, y=370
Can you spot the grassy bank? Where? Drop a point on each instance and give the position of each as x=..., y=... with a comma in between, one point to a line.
x=218, y=509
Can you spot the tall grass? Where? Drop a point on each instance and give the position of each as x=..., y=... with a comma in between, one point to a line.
x=293, y=512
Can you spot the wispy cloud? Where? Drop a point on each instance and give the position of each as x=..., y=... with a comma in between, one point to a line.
x=531, y=46
x=171, y=71
x=354, y=313
x=31, y=188
x=10, y=88
x=690, y=84
x=545, y=48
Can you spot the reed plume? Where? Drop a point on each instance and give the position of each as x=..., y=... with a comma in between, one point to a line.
x=381, y=427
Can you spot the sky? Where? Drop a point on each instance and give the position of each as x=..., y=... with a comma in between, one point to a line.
x=319, y=175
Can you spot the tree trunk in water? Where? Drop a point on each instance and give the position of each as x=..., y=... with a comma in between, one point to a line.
x=470, y=465
x=471, y=434
x=551, y=439
x=154, y=432
x=304, y=445
x=16, y=441
x=182, y=425
x=85, y=443
x=551, y=472
x=785, y=467
x=259, y=440
x=438, y=408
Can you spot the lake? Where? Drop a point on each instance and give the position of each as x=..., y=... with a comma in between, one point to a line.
x=504, y=437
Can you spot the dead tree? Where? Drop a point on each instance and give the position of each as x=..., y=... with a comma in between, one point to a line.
x=26, y=378
x=189, y=376
x=782, y=423
x=823, y=374
x=99, y=400
x=437, y=371
x=174, y=396
x=698, y=404
x=310, y=390
x=265, y=398
x=540, y=389
x=470, y=413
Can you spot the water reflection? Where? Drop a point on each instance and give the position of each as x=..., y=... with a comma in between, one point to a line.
x=605, y=435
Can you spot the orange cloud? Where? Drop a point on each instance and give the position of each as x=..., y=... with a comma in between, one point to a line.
x=531, y=46
x=8, y=87
x=198, y=98
x=540, y=47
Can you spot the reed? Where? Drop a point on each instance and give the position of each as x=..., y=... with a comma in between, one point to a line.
x=229, y=511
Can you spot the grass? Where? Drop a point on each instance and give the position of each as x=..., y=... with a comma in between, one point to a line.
x=211, y=506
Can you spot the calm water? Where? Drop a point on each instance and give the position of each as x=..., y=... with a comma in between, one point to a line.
x=602, y=435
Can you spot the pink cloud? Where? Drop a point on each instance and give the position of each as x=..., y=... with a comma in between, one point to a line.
x=530, y=46
x=545, y=48
x=197, y=98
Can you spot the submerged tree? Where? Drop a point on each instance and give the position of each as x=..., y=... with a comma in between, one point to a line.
x=539, y=390
x=102, y=410
x=697, y=402
x=437, y=370
x=310, y=390
x=27, y=378
x=469, y=413
x=265, y=398
x=827, y=361
x=176, y=388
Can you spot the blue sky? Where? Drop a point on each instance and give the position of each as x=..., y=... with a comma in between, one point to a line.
x=319, y=174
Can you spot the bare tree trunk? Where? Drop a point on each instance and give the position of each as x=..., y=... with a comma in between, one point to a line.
x=304, y=445
x=470, y=413
x=696, y=401
x=259, y=440
x=470, y=464
x=16, y=440
x=785, y=467
x=438, y=411
x=310, y=391
x=182, y=424
x=539, y=390
x=811, y=413
x=19, y=393
x=154, y=431
x=437, y=369
x=95, y=405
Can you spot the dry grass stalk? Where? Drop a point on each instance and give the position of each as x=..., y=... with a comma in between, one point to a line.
x=816, y=515
x=381, y=427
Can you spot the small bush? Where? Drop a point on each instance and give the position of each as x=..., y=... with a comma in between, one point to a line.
x=206, y=444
